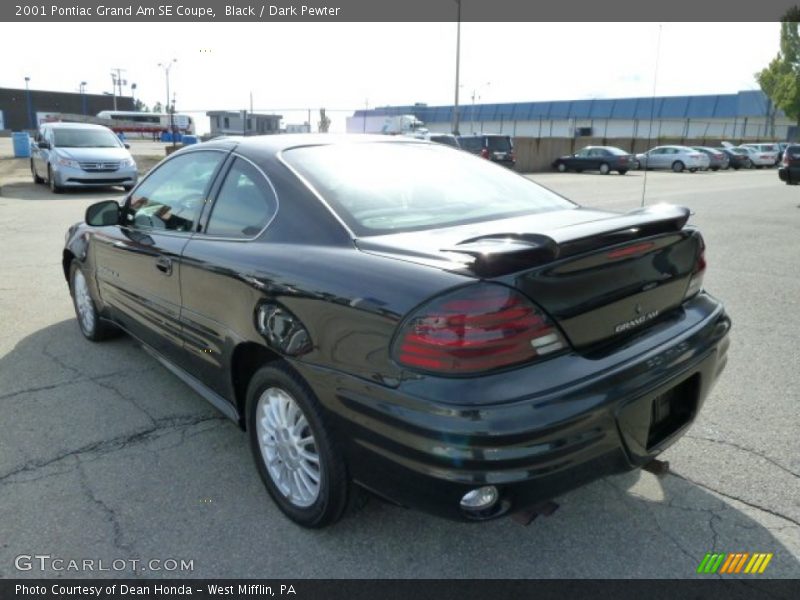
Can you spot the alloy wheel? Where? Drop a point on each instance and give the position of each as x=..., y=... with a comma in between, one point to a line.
x=83, y=302
x=288, y=447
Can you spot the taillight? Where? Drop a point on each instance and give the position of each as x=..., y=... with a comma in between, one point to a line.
x=696, y=282
x=475, y=329
x=786, y=161
x=484, y=153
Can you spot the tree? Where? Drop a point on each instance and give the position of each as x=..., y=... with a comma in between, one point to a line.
x=780, y=80
x=324, y=121
x=158, y=107
x=140, y=106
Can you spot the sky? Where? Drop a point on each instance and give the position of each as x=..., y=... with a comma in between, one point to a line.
x=289, y=67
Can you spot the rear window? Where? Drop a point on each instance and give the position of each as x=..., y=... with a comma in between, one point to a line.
x=392, y=187
x=616, y=151
x=768, y=148
x=447, y=140
x=498, y=143
x=473, y=144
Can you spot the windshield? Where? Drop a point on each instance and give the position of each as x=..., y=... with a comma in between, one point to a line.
x=378, y=188
x=85, y=138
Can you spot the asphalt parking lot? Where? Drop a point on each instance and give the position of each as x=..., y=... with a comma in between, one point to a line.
x=106, y=455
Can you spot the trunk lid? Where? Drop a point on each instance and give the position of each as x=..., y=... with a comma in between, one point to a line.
x=599, y=275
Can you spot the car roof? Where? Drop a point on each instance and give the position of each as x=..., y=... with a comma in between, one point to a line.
x=60, y=125
x=273, y=144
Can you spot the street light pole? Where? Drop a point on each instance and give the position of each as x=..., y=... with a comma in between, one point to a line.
x=29, y=104
x=167, y=66
x=83, y=96
x=458, y=65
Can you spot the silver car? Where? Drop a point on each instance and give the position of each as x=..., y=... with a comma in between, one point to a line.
x=676, y=158
x=762, y=155
x=81, y=155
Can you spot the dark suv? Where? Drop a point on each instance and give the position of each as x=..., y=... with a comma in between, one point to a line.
x=789, y=170
x=497, y=148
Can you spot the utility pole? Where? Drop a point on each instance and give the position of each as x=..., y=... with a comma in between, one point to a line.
x=458, y=65
x=117, y=82
x=167, y=66
x=29, y=103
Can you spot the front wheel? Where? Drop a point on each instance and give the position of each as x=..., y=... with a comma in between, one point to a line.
x=678, y=166
x=561, y=167
x=51, y=181
x=92, y=327
x=36, y=178
x=296, y=455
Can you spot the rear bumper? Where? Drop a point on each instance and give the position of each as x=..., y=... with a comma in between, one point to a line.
x=535, y=432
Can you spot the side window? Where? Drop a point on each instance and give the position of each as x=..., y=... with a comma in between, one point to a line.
x=583, y=153
x=244, y=204
x=173, y=196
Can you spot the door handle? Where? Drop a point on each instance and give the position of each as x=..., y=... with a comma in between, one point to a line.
x=164, y=265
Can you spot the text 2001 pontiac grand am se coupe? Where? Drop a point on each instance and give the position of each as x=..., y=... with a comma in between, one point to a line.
x=405, y=317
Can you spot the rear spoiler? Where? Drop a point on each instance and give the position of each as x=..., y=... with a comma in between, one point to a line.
x=503, y=252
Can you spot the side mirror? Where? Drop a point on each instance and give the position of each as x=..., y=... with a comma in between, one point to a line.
x=44, y=145
x=103, y=213
x=127, y=145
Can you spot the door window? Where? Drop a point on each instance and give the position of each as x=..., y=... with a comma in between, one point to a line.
x=244, y=205
x=172, y=197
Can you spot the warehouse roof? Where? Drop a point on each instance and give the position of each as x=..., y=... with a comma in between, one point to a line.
x=750, y=103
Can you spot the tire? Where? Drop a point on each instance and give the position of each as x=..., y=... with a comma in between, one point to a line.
x=622, y=171
x=275, y=448
x=715, y=168
x=36, y=178
x=92, y=326
x=51, y=181
x=605, y=169
x=561, y=167
x=677, y=166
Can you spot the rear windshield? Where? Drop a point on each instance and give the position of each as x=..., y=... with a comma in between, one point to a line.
x=379, y=187
x=447, y=140
x=85, y=138
x=473, y=144
x=617, y=151
x=498, y=143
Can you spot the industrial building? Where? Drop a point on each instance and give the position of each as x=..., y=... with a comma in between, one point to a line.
x=746, y=115
x=19, y=107
x=236, y=122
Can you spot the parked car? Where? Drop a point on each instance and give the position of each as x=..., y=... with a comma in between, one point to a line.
x=676, y=158
x=596, y=158
x=737, y=158
x=789, y=171
x=445, y=138
x=384, y=312
x=73, y=155
x=717, y=159
x=761, y=155
x=497, y=148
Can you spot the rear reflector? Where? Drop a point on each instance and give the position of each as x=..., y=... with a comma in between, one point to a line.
x=475, y=329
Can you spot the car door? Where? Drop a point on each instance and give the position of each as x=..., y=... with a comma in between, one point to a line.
x=580, y=160
x=39, y=155
x=219, y=302
x=138, y=263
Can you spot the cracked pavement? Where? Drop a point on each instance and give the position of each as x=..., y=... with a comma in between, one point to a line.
x=105, y=454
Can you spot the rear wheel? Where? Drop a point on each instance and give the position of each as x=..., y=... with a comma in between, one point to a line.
x=678, y=166
x=296, y=455
x=605, y=169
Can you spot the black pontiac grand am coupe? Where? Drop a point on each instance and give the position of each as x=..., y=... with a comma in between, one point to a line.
x=400, y=316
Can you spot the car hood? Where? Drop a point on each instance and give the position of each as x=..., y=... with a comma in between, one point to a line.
x=94, y=153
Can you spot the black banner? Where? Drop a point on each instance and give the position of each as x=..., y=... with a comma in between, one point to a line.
x=352, y=589
x=390, y=10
